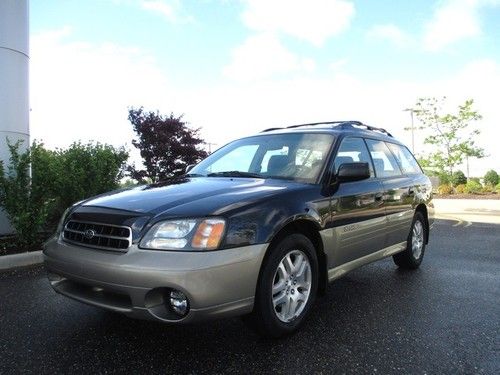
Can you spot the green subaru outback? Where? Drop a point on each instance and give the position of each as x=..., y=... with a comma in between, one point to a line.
x=256, y=229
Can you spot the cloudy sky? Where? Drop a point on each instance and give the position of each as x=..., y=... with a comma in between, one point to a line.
x=236, y=67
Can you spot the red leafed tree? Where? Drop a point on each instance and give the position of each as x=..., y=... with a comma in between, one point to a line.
x=167, y=145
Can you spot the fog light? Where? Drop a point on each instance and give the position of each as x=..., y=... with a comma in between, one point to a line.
x=178, y=302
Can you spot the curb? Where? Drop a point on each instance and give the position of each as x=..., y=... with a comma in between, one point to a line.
x=8, y=262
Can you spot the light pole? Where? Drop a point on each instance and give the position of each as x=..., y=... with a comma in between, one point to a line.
x=209, y=144
x=411, y=110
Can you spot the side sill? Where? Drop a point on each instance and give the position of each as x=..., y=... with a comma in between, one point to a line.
x=340, y=271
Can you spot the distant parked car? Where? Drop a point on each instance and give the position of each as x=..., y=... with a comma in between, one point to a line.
x=258, y=228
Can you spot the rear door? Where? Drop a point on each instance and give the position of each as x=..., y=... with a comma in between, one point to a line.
x=357, y=210
x=398, y=191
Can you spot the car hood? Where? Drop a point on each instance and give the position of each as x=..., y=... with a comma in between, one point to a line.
x=193, y=195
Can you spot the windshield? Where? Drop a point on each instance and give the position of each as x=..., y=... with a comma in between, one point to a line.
x=297, y=156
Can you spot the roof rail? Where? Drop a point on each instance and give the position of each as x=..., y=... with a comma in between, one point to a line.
x=312, y=124
x=270, y=129
x=349, y=124
x=367, y=127
x=353, y=122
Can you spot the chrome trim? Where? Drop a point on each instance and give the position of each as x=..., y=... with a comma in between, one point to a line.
x=128, y=239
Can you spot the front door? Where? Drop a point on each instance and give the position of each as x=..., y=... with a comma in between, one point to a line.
x=357, y=209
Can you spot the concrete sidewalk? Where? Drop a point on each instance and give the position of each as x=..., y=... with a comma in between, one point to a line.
x=471, y=210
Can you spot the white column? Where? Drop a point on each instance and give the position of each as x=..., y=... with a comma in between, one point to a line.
x=14, y=86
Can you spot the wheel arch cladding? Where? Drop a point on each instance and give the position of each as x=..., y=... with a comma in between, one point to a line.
x=423, y=210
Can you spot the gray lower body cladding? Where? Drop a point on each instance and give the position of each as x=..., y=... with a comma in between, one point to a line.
x=217, y=283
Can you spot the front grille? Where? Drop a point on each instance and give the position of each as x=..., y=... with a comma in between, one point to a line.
x=98, y=235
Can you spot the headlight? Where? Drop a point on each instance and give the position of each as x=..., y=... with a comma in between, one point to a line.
x=189, y=234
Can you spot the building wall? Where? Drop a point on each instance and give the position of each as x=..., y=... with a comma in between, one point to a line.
x=14, y=86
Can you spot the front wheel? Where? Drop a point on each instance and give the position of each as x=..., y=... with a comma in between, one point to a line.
x=286, y=288
x=412, y=256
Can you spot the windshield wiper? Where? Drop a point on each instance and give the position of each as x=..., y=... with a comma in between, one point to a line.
x=234, y=174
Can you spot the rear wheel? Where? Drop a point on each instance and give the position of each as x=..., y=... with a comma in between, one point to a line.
x=412, y=256
x=286, y=288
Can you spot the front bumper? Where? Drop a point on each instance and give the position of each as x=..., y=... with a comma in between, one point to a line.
x=217, y=283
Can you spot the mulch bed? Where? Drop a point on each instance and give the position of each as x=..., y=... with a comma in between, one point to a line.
x=9, y=245
x=467, y=196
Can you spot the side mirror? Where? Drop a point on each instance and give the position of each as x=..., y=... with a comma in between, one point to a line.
x=353, y=172
x=189, y=167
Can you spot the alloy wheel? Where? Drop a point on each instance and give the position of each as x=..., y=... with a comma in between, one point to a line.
x=291, y=286
x=417, y=239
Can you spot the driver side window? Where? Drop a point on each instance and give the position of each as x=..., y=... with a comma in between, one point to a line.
x=352, y=149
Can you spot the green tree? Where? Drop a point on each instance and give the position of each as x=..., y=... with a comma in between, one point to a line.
x=491, y=178
x=167, y=145
x=450, y=135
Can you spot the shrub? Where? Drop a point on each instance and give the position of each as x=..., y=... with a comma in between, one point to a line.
x=460, y=189
x=458, y=178
x=87, y=170
x=491, y=178
x=445, y=189
x=58, y=179
x=473, y=187
x=487, y=188
x=475, y=179
x=25, y=204
x=444, y=179
x=497, y=188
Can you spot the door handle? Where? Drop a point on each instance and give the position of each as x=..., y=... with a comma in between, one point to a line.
x=378, y=196
x=411, y=191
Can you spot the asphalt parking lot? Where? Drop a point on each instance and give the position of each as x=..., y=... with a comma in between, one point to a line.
x=442, y=318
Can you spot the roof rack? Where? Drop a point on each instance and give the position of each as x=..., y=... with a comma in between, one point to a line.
x=350, y=124
x=367, y=127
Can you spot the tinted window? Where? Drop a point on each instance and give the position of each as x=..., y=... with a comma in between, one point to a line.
x=405, y=159
x=383, y=160
x=352, y=150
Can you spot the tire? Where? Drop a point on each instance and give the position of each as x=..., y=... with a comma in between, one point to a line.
x=413, y=255
x=287, y=287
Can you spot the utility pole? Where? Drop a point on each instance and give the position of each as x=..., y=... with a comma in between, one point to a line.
x=411, y=110
x=467, y=160
x=209, y=144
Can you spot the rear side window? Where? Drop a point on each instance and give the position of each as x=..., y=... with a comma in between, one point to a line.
x=383, y=160
x=352, y=150
x=405, y=159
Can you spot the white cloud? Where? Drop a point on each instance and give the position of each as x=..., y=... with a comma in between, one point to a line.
x=454, y=20
x=171, y=10
x=314, y=21
x=262, y=56
x=338, y=65
x=81, y=91
x=389, y=32
x=251, y=107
